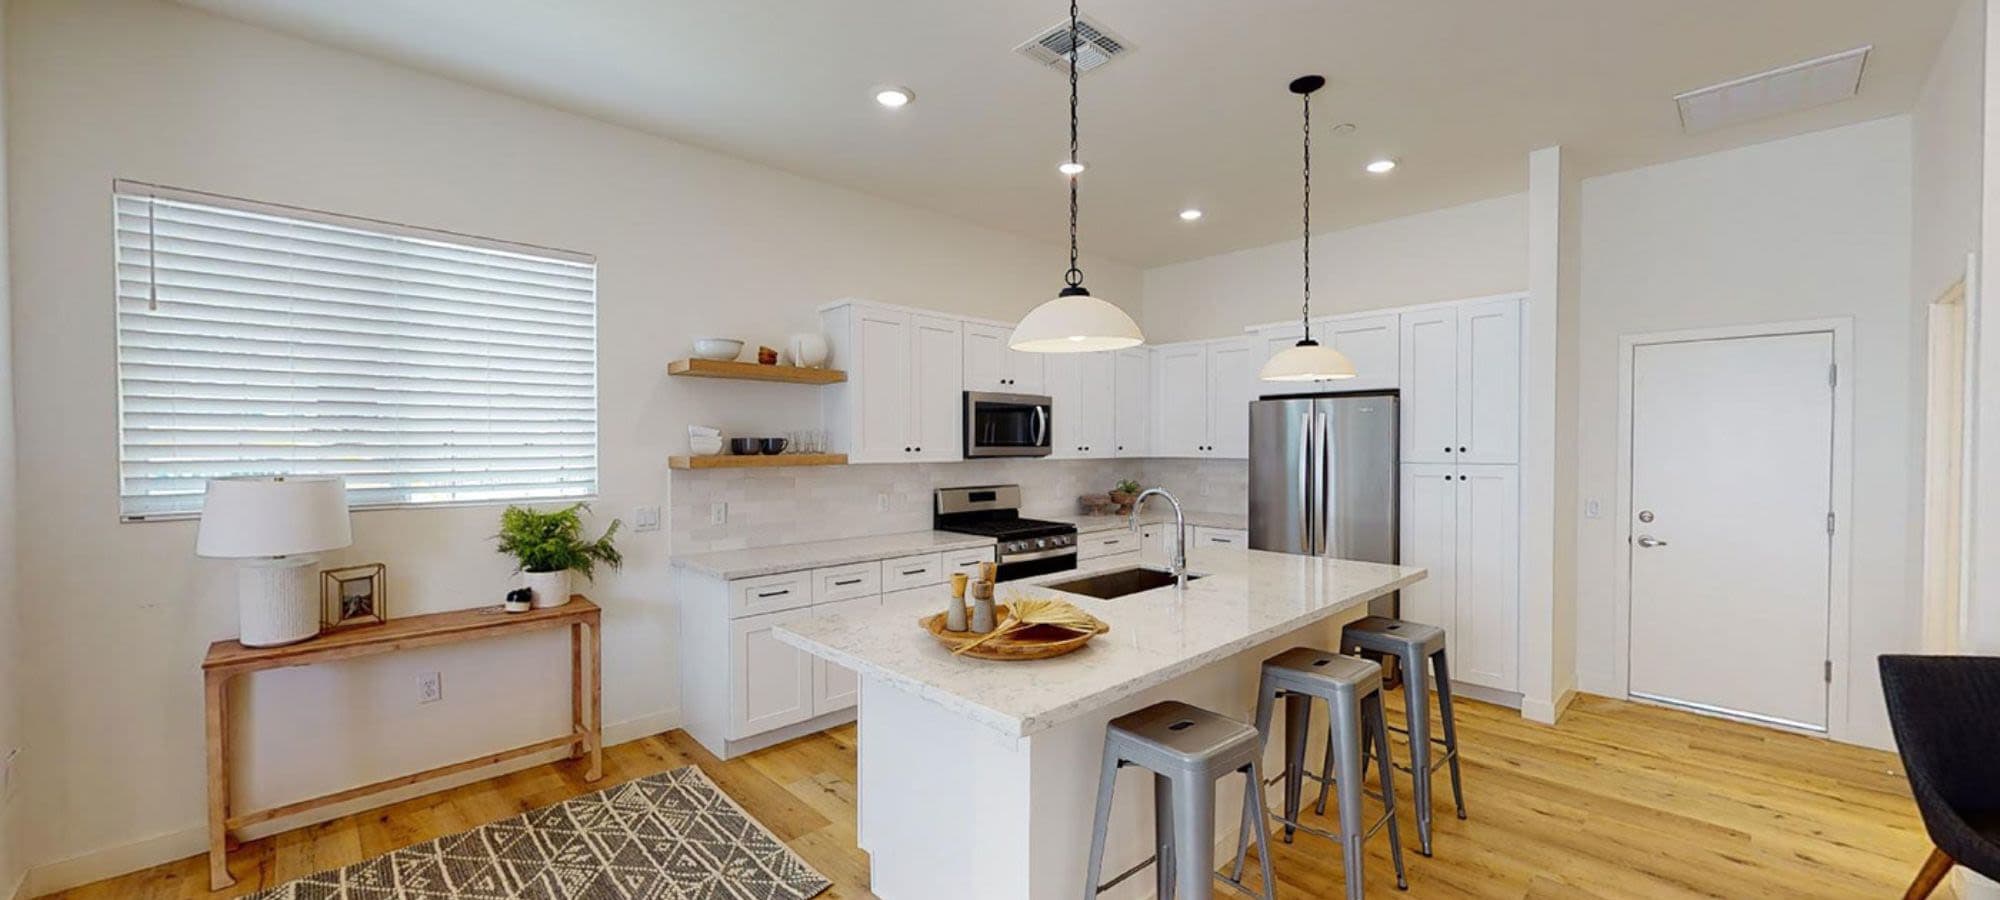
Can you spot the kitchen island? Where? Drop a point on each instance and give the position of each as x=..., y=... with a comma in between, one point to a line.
x=977, y=778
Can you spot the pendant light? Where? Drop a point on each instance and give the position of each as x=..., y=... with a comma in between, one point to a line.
x=1075, y=322
x=1308, y=361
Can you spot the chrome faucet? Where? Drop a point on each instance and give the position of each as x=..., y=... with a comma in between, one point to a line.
x=1177, y=562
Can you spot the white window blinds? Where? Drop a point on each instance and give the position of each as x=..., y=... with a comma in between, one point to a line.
x=424, y=367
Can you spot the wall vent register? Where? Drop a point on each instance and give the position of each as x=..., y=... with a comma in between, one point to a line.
x=424, y=367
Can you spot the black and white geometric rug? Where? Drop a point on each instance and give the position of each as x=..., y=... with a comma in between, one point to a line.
x=669, y=836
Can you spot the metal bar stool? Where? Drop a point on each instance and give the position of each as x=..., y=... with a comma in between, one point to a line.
x=1414, y=644
x=1352, y=689
x=1187, y=749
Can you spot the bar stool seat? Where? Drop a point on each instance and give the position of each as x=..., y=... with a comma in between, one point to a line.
x=1352, y=689
x=1187, y=749
x=1419, y=647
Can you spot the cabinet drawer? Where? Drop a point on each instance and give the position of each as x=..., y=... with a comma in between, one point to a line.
x=1205, y=536
x=847, y=582
x=967, y=561
x=770, y=593
x=912, y=571
x=1107, y=543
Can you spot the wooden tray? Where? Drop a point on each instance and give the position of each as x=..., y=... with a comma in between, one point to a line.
x=1039, y=642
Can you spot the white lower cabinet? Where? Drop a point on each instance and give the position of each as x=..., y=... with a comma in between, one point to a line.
x=1462, y=523
x=836, y=688
x=771, y=683
x=1114, y=542
x=1205, y=536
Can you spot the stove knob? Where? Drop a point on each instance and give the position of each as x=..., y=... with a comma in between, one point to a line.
x=1012, y=547
x=1041, y=543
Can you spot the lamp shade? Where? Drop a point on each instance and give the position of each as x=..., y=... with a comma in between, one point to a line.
x=1075, y=322
x=264, y=516
x=1309, y=361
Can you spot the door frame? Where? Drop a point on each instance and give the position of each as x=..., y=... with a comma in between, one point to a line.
x=1840, y=559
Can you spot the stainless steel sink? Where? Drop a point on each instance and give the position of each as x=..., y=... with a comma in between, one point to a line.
x=1118, y=582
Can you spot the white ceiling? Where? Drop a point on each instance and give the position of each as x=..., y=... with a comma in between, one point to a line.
x=1196, y=114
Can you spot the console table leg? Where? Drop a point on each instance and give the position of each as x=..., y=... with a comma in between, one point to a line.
x=596, y=700
x=576, y=723
x=216, y=690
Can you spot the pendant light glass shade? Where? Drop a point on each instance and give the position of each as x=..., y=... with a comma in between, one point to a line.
x=1309, y=361
x=1075, y=322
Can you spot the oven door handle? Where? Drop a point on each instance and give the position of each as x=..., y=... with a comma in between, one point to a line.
x=1041, y=426
x=1038, y=554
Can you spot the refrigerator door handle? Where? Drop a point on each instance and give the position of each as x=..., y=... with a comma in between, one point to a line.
x=1323, y=514
x=1306, y=481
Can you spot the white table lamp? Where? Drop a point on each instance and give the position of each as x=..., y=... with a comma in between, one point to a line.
x=274, y=525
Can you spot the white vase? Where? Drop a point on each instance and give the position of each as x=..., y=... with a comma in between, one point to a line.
x=550, y=588
x=808, y=350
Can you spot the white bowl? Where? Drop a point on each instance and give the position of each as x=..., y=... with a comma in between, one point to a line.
x=717, y=348
x=705, y=446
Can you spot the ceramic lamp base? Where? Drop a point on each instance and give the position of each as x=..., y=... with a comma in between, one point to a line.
x=277, y=601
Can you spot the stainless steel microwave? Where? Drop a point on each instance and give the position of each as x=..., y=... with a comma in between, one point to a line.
x=1006, y=425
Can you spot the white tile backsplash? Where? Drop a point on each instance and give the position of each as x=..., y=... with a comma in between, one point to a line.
x=1209, y=485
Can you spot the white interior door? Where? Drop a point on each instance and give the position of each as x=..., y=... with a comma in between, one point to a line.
x=1732, y=469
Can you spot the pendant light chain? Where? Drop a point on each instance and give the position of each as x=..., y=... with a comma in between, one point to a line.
x=1074, y=277
x=1305, y=309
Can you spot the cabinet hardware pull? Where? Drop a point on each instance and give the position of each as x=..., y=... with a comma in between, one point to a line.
x=764, y=594
x=847, y=582
x=915, y=571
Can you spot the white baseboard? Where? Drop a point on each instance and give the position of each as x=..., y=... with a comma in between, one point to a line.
x=1546, y=712
x=96, y=865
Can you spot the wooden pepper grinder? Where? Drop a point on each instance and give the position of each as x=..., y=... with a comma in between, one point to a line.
x=954, y=613
x=982, y=600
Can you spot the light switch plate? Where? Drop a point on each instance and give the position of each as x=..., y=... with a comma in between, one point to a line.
x=881, y=502
x=1592, y=508
x=646, y=518
x=718, y=513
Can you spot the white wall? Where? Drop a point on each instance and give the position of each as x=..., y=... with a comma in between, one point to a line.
x=1448, y=254
x=1945, y=161
x=690, y=243
x=1810, y=227
x=12, y=689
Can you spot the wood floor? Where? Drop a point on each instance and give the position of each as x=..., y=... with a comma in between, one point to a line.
x=1621, y=800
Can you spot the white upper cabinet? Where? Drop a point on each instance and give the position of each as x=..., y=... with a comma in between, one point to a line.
x=1232, y=379
x=1082, y=390
x=1180, y=408
x=1430, y=385
x=1461, y=382
x=990, y=366
x=901, y=401
x=1370, y=342
x=1489, y=381
x=1132, y=414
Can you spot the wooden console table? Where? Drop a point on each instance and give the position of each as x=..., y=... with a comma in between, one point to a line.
x=228, y=659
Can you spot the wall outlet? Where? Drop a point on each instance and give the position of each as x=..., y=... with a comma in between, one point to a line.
x=1592, y=508
x=881, y=502
x=430, y=688
x=646, y=518
x=718, y=513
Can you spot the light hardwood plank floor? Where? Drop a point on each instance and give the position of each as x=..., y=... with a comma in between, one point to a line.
x=1620, y=800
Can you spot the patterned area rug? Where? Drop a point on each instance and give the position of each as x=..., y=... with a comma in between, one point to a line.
x=669, y=836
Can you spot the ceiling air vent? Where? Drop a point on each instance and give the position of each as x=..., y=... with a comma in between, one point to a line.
x=1815, y=82
x=1051, y=46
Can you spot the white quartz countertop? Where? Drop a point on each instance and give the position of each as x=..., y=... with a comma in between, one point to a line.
x=756, y=561
x=1248, y=597
x=1151, y=516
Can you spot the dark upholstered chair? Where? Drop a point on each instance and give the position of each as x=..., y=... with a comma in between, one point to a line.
x=1946, y=714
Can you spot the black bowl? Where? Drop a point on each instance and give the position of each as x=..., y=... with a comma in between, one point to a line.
x=744, y=446
x=774, y=446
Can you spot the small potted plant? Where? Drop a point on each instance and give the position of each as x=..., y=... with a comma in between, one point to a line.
x=548, y=546
x=1123, y=495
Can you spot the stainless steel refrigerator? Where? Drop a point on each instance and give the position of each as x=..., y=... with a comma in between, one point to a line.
x=1323, y=478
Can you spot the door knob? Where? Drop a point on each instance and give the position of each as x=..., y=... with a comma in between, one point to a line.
x=1647, y=540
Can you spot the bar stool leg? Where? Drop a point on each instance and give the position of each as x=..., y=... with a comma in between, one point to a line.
x=1326, y=766
x=1266, y=700
x=1255, y=816
x=1106, y=781
x=1417, y=711
x=1376, y=725
x=1353, y=832
x=1450, y=727
x=1165, y=858
x=1298, y=718
x=1194, y=838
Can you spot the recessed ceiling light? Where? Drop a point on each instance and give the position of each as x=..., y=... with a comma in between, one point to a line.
x=894, y=97
x=1071, y=167
x=1190, y=214
x=1382, y=166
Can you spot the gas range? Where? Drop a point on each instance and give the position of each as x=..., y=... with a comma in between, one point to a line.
x=1024, y=546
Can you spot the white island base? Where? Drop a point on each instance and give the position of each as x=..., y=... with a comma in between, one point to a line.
x=950, y=807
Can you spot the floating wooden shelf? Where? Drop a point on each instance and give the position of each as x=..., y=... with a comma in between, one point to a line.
x=773, y=461
x=743, y=371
